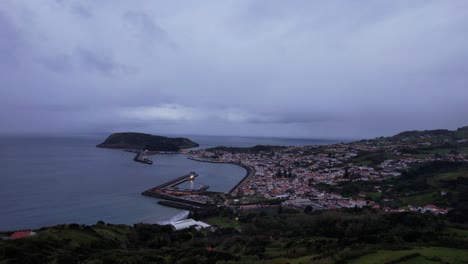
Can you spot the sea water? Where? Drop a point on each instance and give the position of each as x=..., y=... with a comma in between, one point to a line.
x=46, y=181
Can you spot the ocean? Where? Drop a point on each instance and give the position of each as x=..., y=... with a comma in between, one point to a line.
x=46, y=181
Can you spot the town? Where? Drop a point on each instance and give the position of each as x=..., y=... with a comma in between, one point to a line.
x=299, y=176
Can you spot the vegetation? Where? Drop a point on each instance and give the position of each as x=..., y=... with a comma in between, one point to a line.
x=440, y=183
x=254, y=149
x=131, y=140
x=415, y=255
x=271, y=236
x=284, y=235
x=372, y=158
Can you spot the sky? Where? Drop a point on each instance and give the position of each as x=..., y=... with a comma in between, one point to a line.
x=308, y=69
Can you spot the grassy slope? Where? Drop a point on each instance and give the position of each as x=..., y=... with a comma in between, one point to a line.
x=435, y=184
x=421, y=255
x=288, y=244
x=461, y=172
x=221, y=221
x=420, y=199
x=372, y=158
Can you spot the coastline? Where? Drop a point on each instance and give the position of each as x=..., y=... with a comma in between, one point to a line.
x=249, y=170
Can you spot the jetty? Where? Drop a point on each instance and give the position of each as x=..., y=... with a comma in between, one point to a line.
x=141, y=156
x=173, y=183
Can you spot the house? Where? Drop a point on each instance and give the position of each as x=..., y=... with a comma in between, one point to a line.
x=281, y=197
x=22, y=234
x=344, y=203
x=430, y=208
x=434, y=209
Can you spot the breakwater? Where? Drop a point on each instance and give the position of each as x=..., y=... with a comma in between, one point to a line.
x=173, y=183
x=162, y=195
x=182, y=206
x=141, y=157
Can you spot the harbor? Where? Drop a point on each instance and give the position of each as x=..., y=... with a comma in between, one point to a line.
x=92, y=169
x=250, y=170
x=196, y=200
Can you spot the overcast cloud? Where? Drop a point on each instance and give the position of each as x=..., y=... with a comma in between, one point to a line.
x=347, y=69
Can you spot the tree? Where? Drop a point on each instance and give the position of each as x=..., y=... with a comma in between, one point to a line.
x=279, y=174
x=346, y=173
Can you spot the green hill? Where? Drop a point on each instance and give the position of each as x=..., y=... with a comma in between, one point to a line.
x=436, y=134
x=254, y=149
x=133, y=140
x=267, y=235
x=462, y=132
x=425, y=133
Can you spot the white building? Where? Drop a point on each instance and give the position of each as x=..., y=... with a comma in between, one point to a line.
x=187, y=223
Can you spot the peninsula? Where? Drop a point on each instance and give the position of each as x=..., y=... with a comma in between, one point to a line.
x=134, y=140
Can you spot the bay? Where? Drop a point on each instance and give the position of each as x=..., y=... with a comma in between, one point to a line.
x=47, y=181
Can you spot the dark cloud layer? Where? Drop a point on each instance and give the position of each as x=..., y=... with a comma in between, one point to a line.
x=235, y=67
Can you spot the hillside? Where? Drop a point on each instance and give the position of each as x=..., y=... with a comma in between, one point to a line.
x=272, y=235
x=429, y=169
x=133, y=140
x=254, y=149
x=432, y=136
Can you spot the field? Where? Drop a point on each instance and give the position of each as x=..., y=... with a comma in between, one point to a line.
x=372, y=158
x=457, y=232
x=420, y=199
x=221, y=221
x=374, y=195
x=461, y=172
x=417, y=255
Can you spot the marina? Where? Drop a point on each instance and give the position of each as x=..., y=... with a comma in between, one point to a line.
x=250, y=170
x=188, y=199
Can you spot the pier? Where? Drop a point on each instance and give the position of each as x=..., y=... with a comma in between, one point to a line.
x=141, y=157
x=173, y=183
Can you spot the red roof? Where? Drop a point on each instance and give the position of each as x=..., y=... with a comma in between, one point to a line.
x=21, y=234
